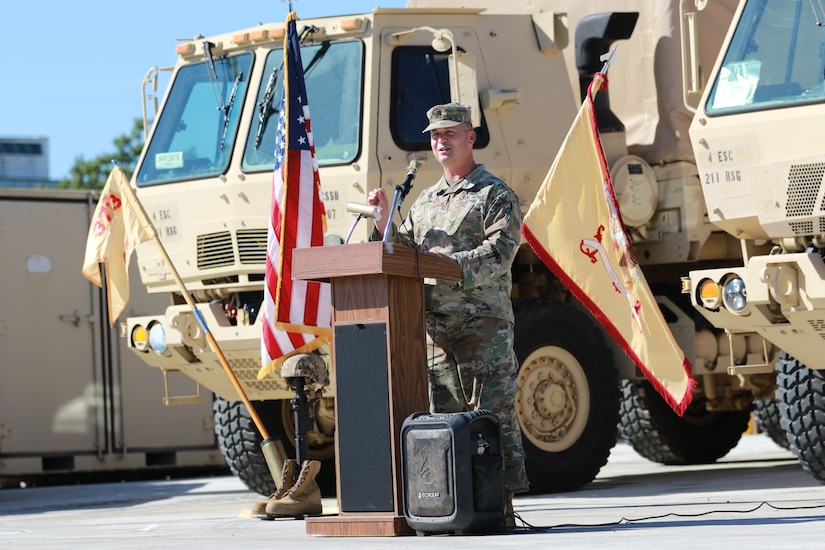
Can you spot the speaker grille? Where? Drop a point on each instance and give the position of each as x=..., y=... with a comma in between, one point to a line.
x=429, y=471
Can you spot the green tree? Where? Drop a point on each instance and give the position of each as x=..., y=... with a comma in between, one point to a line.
x=92, y=174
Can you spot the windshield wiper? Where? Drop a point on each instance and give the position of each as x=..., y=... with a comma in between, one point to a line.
x=816, y=13
x=322, y=51
x=265, y=109
x=227, y=109
x=213, y=74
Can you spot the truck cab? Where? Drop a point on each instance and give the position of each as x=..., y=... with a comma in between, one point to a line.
x=755, y=137
x=205, y=175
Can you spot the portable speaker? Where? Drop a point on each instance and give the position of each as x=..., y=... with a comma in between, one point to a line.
x=452, y=472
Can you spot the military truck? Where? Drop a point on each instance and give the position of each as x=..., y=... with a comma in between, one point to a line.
x=755, y=138
x=205, y=174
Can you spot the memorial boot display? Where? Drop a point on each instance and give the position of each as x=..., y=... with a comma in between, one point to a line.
x=290, y=475
x=304, y=498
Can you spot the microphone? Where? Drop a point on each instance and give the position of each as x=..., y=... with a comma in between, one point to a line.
x=366, y=210
x=409, y=176
x=412, y=169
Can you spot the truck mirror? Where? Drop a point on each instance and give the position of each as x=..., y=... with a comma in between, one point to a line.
x=463, y=72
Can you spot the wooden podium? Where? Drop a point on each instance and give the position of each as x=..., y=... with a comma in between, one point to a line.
x=380, y=366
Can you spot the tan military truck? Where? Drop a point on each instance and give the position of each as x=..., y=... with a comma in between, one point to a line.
x=756, y=138
x=205, y=174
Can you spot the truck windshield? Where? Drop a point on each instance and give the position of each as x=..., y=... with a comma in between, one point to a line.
x=775, y=59
x=195, y=132
x=332, y=72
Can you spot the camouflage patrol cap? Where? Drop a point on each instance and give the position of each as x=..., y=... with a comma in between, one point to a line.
x=448, y=115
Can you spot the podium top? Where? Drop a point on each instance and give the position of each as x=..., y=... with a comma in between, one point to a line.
x=322, y=263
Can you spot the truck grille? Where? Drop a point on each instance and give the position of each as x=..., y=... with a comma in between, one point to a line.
x=215, y=250
x=818, y=325
x=252, y=246
x=804, y=183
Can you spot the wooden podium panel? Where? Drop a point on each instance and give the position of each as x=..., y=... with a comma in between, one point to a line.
x=380, y=364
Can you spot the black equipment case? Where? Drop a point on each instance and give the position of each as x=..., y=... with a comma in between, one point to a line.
x=453, y=472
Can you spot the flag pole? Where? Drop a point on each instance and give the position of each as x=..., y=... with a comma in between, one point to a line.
x=273, y=450
x=599, y=77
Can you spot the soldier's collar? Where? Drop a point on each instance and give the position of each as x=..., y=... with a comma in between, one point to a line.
x=464, y=184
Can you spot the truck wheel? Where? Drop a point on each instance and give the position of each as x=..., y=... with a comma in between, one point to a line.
x=657, y=433
x=768, y=417
x=801, y=396
x=568, y=401
x=240, y=442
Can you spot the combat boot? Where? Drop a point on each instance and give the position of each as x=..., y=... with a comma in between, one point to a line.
x=509, y=514
x=303, y=498
x=290, y=475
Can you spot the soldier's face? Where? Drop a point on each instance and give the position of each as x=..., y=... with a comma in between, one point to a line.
x=452, y=145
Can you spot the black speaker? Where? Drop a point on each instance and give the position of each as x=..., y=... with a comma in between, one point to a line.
x=453, y=472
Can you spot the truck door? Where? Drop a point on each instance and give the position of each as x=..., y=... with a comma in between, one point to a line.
x=414, y=77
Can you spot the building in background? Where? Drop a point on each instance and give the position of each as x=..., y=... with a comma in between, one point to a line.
x=24, y=162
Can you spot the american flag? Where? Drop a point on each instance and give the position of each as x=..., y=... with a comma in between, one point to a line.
x=296, y=314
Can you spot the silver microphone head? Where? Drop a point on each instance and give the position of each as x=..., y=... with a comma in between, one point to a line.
x=366, y=210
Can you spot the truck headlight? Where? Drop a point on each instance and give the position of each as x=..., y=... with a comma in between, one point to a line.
x=157, y=338
x=735, y=295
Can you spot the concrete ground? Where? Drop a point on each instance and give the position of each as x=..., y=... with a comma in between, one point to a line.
x=756, y=497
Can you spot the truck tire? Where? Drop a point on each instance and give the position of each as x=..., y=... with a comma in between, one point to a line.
x=240, y=443
x=768, y=417
x=568, y=400
x=801, y=396
x=658, y=434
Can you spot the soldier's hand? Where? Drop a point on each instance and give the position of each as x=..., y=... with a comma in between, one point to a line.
x=378, y=197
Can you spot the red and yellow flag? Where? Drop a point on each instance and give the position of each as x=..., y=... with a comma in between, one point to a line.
x=115, y=232
x=575, y=227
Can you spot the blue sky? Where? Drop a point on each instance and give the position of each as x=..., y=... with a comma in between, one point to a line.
x=72, y=71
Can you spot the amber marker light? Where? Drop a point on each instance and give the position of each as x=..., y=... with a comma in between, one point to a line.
x=140, y=338
x=709, y=294
x=350, y=24
x=185, y=49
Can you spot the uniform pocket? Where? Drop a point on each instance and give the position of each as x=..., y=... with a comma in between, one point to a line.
x=458, y=218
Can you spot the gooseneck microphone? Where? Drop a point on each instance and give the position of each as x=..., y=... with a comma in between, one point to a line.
x=365, y=210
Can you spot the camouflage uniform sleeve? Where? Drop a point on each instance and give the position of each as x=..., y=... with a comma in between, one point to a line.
x=401, y=235
x=502, y=235
x=396, y=235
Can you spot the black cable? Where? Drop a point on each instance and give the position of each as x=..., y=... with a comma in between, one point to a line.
x=625, y=521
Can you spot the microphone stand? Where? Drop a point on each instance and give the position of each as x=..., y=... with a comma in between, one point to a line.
x=351, y=229
x=400, y=194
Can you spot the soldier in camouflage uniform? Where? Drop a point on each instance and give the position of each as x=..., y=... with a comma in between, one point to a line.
x=474, y=218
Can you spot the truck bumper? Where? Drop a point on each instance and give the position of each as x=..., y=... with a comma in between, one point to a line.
x=778, y=297
x=179, y=344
